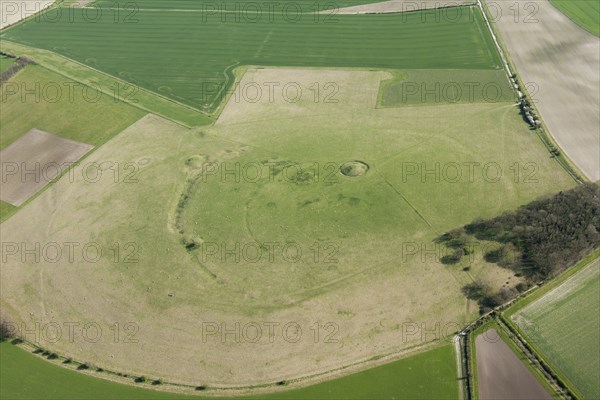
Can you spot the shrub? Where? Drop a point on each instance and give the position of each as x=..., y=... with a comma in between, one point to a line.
x=140, y=379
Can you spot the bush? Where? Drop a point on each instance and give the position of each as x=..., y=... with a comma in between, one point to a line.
x=52, y=356
x=140, y=379
x=200, y=388
x=7, y=330
x=157, y=382
x=83, y=367
x=453, y=258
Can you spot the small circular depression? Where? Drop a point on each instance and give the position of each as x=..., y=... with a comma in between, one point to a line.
x=354, y=168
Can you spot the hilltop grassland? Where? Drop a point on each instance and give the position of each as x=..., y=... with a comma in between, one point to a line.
x=354, y=245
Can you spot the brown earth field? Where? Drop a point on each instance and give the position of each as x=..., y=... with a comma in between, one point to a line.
x=500, y=373
x=34, y=160
x=560, y=64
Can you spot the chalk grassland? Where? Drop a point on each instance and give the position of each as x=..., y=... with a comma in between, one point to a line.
x=36, y=148
x=563, y=326
x=370, y=290
x=586, y=13
x=423, y=376
x=561, y=62
x=12, y=12
x=72, y=118
x=432, y=86
x=114, y=87
x=199, y=54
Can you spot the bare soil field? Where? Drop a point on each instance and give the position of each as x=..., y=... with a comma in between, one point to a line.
x=12, y=12
x=395, y=6
x=501, y=374
x=560, y=61
x=34, y=160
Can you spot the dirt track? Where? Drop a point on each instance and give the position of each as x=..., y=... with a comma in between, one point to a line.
x=561, y=61
x=500, y=373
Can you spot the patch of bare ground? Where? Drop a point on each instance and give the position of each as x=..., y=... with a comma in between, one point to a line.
x=396, y=6
x=500, y=373
x=560, y=62
x=34, y=160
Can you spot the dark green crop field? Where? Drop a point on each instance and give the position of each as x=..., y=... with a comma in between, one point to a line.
x=586, y=13
x=189, y=56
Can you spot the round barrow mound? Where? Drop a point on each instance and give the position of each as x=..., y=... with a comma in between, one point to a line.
x=354, y=168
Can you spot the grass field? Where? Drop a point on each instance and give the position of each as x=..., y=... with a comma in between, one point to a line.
x=44, y=97
x=446, y=87
x=563, y=326
x=207, y=50
x=356, y=283
x=429, y=375
x=586, y=13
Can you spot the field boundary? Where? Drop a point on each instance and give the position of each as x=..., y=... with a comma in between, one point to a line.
x=541, y=130
x=501, y=315
x=219, y=391
x=171, y=109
